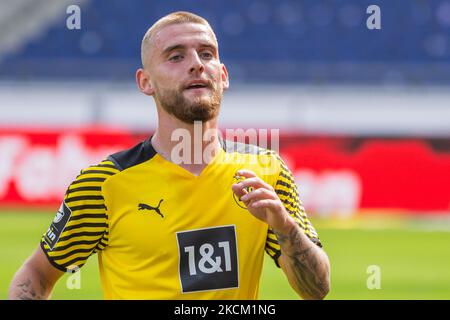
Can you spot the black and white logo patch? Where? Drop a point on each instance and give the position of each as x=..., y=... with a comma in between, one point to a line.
x=208, y=259
x=57, y=227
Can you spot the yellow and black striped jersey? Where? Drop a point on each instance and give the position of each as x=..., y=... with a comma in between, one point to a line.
x=161, y=232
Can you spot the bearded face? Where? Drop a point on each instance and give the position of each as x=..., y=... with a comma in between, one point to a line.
x=183, y=72
x=197, y=100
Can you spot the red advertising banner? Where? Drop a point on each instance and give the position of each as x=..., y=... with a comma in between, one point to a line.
x=336, y=176
x=398, y=174
x=38, y=165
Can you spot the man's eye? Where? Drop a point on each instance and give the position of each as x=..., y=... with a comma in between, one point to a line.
x=176, y=57
x=206, y=55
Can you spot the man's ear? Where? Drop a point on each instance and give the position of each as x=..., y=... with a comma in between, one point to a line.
x=143, y=82
x=225, y=79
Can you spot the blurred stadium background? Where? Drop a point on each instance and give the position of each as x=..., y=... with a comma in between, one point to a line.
x=364, y=119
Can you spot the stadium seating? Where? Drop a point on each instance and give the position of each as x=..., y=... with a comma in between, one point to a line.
x=262, y=40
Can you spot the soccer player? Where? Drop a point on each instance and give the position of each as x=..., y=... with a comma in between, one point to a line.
x=169, y=229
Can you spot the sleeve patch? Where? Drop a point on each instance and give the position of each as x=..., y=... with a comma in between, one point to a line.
x=57, y=226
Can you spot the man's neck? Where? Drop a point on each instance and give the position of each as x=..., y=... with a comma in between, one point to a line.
x=191, y=146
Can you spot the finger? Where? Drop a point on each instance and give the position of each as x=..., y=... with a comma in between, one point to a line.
x=263, y=204
x=238, y=190
x=246, y=173
x=241, y=189
x=259, y=194
x=256, y=183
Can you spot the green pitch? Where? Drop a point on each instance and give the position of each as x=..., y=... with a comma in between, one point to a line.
x=413, y=263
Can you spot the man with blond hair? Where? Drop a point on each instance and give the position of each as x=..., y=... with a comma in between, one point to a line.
x=165, y=228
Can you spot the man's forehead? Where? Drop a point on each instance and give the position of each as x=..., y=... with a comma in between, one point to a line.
x=183, y=33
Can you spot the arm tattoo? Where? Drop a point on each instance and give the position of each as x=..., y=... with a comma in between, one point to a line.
x=28, y=292
x=306, y=262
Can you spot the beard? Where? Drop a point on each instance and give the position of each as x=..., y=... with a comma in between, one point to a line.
x=201, y=108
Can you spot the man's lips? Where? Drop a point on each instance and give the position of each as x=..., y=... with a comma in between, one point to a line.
x=197, y=84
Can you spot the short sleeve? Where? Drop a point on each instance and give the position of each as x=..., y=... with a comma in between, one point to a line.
x=80, y=227
x=287, y=191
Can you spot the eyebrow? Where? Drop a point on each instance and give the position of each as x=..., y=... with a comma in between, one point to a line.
x=169, y=49
x=172, y=48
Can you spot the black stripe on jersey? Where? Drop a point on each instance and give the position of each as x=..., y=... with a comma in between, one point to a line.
x=89, y=171
x=288, y=196
x=71, y=253
x=101, y=245
x=86, y=224
x=75, y=243
x=272, y=240
x=95, y=188
x=273, y=246
x=88, y=206
x=293, y=203
x=283, y=193
x=289, y=199
x=288, y=177
x=138, y=154
x=292, y=213
x=88, y=180
x=80, y=198
x=316, y=241
x=89, y=215
x=284, y=184
x=276, y=256
x=52, y=262
x=105, y=165
x=73, y=262
x=301, y=223
x=271, y=252
x=301, y=219
x=284, y=167
x=81, y=234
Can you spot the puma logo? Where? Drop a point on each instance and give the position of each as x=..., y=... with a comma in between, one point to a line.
x=143, y=206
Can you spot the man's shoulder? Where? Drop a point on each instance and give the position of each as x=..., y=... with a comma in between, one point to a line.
x=133, y=156
x=245, y=148
x=115, y=163
x=262, y=160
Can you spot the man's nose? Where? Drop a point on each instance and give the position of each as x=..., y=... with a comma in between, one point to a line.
x=196, y=64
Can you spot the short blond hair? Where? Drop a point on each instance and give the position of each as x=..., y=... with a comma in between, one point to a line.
x=178, y=17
